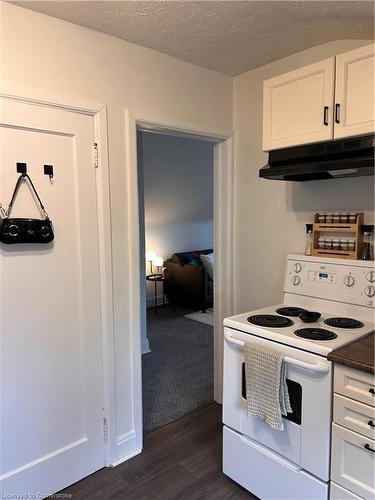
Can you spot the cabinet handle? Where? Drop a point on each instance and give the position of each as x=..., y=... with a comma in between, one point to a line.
x=371, y=391
x=337, y=113
x=368, y=447
x=325, y=115
x=371, y=423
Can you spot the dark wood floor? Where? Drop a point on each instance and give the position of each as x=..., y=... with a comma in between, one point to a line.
x=181, y=460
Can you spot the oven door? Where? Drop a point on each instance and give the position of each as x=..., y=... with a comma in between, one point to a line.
x=306, y=436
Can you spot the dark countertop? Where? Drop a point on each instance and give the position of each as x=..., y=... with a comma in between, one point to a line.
x=359, y=354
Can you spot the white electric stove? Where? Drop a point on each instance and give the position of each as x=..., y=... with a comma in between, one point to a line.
x=339, y=331
x=297, y=459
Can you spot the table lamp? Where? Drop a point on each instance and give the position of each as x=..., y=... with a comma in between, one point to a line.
x=158, y=263
x=150, y=256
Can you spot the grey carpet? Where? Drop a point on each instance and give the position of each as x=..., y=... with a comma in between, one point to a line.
x=178, y=372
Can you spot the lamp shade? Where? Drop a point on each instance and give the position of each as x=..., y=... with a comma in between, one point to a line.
x=158, y=261
x=150, y=256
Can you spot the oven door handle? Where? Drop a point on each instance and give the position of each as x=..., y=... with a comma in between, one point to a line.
x=315, y=367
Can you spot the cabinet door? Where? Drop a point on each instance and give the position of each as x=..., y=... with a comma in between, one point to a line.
x=297, y=106
x=355, y=89
x=352, y=465
x=338, y=493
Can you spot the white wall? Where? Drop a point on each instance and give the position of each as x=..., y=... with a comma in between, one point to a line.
x=45, y=54
x=270, y=216
x=178, y=193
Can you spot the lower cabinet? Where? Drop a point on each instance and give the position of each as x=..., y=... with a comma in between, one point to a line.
x=353, y=462
x=339, y=493
x=353, y=445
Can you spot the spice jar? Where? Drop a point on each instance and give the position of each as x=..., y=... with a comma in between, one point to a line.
x=309, y=239
x=344, y=217
x=335, y=244
x=367, y=250
x=352, y=217
x=321, y=218
x=336, y=218
x=344, y=245
x=328, y=243
x=321, y=243
x=329, y=217
x=351, y=245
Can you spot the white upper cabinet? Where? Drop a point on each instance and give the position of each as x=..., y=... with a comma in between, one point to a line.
x=355, y=88
x=327, y=100
x=298, y=106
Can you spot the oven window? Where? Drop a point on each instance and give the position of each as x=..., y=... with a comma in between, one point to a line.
x=295, y=397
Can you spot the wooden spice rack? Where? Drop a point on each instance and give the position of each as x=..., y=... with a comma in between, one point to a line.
x=341, y=230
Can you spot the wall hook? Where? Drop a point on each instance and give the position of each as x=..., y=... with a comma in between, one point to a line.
x=48, y=170
x=21, y=168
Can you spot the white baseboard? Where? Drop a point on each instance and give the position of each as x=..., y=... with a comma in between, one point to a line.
x=126, y=457
x=145, y=346
x=127, y=446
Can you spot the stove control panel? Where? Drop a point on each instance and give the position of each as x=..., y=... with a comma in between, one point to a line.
x=353, y=283
x=321, y=276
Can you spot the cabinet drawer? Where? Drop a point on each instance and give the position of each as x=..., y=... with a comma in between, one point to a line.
x=355, y=416
x=265, y=473
x=354, y=384
x=338, y=493
x=352, y=465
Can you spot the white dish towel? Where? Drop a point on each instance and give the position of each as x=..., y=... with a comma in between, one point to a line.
x=266, y=389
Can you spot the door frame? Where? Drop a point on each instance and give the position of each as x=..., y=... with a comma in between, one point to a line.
x=223, y=239
x=99, y=113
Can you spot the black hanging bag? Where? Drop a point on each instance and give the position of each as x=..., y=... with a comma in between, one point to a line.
x=24, y=230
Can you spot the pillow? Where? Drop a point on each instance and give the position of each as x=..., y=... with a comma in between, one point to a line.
x=208, y=263
x=195, y=262
x=187, y=258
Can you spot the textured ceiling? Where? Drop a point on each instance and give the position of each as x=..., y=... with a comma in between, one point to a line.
x=227, y=36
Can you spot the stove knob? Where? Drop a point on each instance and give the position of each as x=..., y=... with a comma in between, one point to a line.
x=370, y=291
x=296, y=280
x=349, y=280
x=370, y=276
x=297, y=267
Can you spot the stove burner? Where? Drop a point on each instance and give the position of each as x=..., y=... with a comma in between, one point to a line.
x=315, y=334
x=290, y=311
x=343, y=323
x=269, y=320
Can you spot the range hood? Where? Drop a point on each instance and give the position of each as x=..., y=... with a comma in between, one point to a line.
x=352, y=157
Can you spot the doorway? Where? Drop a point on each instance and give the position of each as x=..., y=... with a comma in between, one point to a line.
x=130, y=443
x=176, y=239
